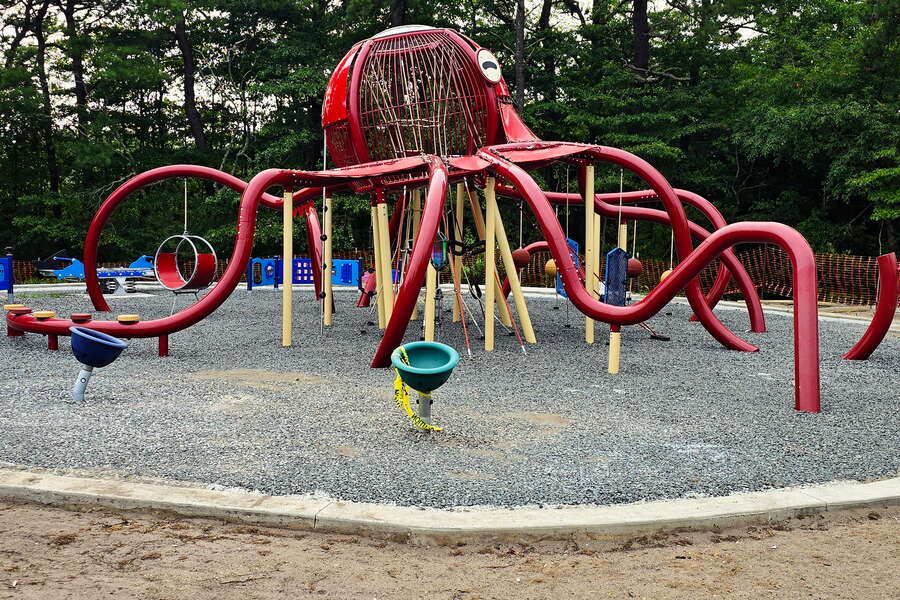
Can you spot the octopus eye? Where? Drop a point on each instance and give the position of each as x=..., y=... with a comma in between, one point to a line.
x=490, y=66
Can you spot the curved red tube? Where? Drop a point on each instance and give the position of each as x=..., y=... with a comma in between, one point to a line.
x=243, y=245
x=438, y=178
x=680, y=229
x=314, y=241
x=884, y=309
x=709, y=210
x=728, y=258
x=532, y=247
x=92, y=240
x=730, y=262
x=806, y=332
x=754, y=306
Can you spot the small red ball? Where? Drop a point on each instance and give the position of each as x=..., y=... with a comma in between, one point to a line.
x=635, y=267
x=521, y=257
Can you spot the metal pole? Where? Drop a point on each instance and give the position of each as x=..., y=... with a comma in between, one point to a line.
x=84, y=375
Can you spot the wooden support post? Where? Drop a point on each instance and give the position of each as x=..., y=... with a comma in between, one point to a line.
x=590, y=241
x=456, y=264
x=328, y=268
x=615, y=345
x=287, y=268
x=623, y=235
x=430, y=293
x=376, y=252
x=416, y=218
x=387, y=280
x=478, y=219
x=512, y=273
x=490, y=266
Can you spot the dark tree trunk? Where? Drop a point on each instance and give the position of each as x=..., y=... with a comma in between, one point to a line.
x=76, y=56
x=520, y=54
x=46, y=108
x=190, y=100
x=20, y=30
x=543, y=27
x=641, y=28
x=398, y=13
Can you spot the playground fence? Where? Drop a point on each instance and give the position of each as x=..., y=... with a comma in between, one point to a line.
x=843, y=278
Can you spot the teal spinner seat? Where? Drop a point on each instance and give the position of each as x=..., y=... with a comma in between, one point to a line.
x=426, y=365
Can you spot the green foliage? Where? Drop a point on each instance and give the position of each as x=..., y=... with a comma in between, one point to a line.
x=782, y=110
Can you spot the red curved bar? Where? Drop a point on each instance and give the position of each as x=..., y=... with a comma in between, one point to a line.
x=314, y=241
x=709, y=210
x=252, y=196
x=723, y=277
x=729, y=260
x=806, y=332
x=250, y=199
x=418, y=262
x=680, y=229
x=92, y=240
x=884, y=309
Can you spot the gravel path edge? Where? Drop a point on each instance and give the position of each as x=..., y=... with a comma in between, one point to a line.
x=442, y=526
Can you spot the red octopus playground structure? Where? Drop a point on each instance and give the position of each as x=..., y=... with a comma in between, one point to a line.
x=422, y=108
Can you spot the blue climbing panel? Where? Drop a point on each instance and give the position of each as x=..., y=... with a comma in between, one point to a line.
x=268, y=271
x=346, y=272
x=573, y=252
x=6, y=275
x=615, y=277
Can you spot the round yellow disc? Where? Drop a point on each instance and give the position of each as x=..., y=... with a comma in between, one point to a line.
x=128, y=318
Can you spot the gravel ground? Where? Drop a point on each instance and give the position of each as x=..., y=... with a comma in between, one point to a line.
x=232, y=408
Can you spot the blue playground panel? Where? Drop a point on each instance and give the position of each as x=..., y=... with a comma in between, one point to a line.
x=6, y=275
x=615, y=277
x=573, y=251
x=345, y=272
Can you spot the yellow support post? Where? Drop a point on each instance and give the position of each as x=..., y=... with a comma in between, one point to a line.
x=623, y=235
x=512, y=273
x=430, y=292
x=615, y=345
x=287, y=270
x=457, y=260
x=376, y=243
x=416, y=218
x=590, y=240
x=387, y=282
x=490, y=267
x=327, y=251
x=478, y=219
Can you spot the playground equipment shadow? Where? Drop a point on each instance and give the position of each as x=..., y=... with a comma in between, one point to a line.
x=231, y=409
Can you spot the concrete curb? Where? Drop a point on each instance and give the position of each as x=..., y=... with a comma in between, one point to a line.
x=433, y=526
